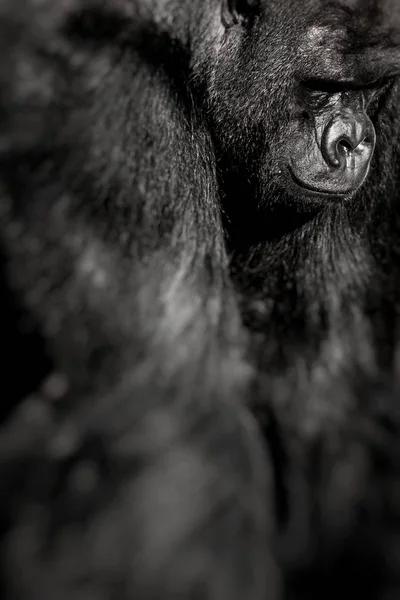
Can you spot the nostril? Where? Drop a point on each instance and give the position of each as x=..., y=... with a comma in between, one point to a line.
x=348, y=140
x=345, y=145
x=368, y=140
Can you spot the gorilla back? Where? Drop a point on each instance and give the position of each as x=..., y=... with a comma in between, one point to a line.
x=131, y=461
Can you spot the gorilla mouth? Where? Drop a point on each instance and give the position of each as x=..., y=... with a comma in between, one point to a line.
x=316, y=191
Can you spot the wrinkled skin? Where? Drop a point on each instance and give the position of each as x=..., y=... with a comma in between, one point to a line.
x=200, y=253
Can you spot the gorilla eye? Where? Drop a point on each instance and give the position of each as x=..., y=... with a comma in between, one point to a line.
x=236, y=12
x=325, y=86
x=378, y=94
x=320, y=92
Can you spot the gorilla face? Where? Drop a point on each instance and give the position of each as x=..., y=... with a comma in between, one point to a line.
x=296, y=94
x=332, y=143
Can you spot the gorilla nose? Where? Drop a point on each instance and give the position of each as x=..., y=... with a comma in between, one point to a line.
x=348, y=140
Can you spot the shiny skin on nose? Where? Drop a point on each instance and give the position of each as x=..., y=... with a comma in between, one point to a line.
x=348, y=141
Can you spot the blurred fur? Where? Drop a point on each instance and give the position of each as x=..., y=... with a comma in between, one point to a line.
x=160, y=285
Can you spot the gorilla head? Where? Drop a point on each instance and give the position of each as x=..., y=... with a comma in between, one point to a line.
x=295, y=94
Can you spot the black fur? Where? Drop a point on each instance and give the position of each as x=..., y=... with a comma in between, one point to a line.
x=318, y=288
x=160, y=278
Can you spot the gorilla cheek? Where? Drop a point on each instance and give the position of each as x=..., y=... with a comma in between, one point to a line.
x=333, y=156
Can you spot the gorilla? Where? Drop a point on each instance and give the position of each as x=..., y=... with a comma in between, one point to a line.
x=199, y=241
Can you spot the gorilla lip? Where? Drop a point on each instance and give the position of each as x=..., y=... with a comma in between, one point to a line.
x=314, y=190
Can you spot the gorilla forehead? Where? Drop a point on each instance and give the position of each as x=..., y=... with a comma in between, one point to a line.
x=336, y=40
